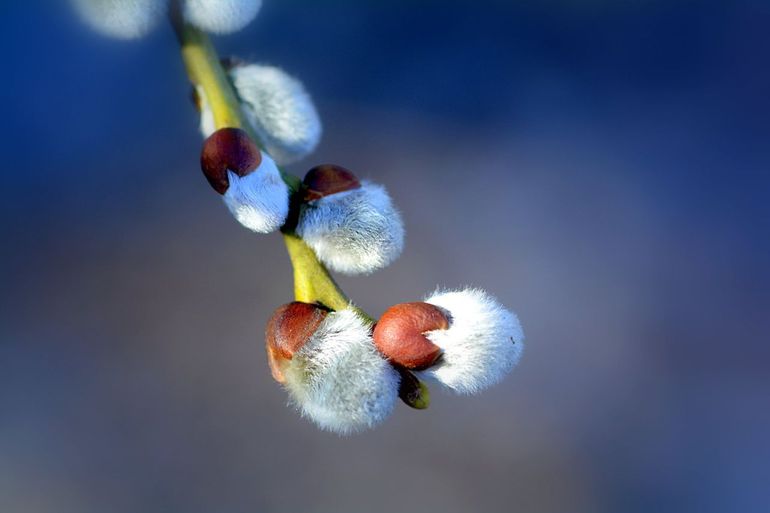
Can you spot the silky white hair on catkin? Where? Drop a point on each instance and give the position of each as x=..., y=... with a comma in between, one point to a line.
x=122, y=19
x=279, y=109
x=483, y=343
x=259, y=200
x=220, y=16
x=339, y=380
x=353, y=232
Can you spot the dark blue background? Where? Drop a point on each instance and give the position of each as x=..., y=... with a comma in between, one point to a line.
x=600, y=166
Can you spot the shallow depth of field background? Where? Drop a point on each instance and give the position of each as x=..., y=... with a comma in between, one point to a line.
x=600, y=166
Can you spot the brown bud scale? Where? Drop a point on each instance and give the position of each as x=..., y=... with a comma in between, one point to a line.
x=288, y=330
x=399, y=334
x=328, y=179
x=228, y=149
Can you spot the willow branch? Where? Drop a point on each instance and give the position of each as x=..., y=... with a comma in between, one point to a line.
x=312, y=281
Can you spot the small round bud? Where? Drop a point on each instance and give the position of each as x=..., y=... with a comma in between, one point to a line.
x=228, y=149
x=328, y=179
x=288, y=330
x=122, y=19
x=248, y=180
x=482, y=343
x=220, y=16
x=399, y=334
x=336, y=377
x=279, y=110
x=352, y=226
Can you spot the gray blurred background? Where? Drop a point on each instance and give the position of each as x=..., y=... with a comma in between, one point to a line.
x=600, y=166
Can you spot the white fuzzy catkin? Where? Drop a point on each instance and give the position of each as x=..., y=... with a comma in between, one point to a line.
x=122, y=19
x=279, y=109
x=483, y=342
x=259, y=200
x=353, y=232
x=339, y=380
x=220, y=16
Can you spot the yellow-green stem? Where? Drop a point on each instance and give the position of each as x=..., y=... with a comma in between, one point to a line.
x=312, y=282
x=206, y=72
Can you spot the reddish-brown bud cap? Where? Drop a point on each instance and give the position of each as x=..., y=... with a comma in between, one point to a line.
x=399, y=334
x=290, y=327
x=228, y=149
x=328, y=179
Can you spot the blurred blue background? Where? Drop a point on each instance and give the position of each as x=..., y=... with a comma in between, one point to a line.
x=601, y=166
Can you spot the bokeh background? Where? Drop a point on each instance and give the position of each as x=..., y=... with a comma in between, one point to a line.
x=601, y=166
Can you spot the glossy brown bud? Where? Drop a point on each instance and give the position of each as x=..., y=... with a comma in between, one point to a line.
x=328, y=179
x=288, y=330
x=399, y=334
x=228, y=149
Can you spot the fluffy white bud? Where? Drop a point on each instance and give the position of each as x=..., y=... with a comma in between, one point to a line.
x=355, y=231
x=220, y=16
x=279, y=109
x=122, y=19
x=483, y=342
x=259, y=200
x=339, y=380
